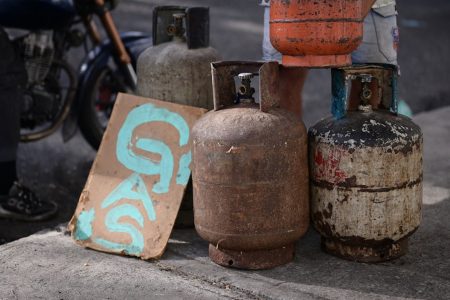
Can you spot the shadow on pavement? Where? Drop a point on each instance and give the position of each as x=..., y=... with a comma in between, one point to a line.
x=423, y=272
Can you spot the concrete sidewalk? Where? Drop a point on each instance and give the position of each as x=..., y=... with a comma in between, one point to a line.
x=50, y=266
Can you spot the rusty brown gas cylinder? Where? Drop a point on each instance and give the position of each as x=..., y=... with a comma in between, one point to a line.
x=366, y=170
x=250, y=172
x=311, y=33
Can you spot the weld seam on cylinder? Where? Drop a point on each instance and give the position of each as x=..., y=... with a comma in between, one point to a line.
x=363, y=188
x=274, y=145
x=270, y=182
x=348, y=20
x=239, y=235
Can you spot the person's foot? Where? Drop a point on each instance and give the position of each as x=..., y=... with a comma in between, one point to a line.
x=22, y=204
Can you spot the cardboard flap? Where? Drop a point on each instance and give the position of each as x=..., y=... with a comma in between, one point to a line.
x=136, y=184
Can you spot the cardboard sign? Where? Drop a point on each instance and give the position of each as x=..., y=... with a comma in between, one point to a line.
x=137, y=182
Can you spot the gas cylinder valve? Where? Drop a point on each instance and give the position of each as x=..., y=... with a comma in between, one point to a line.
x=177, y=29
x=245, y=90
x=366, y=93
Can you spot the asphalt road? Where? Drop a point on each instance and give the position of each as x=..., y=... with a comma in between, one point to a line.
x=58, y=171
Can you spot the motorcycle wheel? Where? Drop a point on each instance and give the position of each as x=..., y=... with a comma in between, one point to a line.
x=104, y=84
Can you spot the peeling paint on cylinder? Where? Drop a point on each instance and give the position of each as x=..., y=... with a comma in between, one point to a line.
x=366, y=184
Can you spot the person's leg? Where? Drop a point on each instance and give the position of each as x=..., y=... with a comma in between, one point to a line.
x=379, y=45
x=16, y=201
x=381, y=38
x=292, y=80
x=7, y=175
x=9, y=115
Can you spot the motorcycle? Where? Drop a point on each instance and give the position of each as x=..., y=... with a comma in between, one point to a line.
x=56, y=94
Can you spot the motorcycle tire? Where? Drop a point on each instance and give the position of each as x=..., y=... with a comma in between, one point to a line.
x=103, y=86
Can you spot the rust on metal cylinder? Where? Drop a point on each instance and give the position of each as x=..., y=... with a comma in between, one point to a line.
x=252, y=260
x=250, y=174
x=363, y=253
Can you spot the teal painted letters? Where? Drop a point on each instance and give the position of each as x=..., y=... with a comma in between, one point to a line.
x=144, y=114
x=83, y=229
x=112, y=223
x=133, y=188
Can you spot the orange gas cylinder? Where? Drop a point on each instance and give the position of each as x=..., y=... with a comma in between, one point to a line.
x=311, y=33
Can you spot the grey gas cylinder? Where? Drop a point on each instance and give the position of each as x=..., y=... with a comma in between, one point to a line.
x=178, y=67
